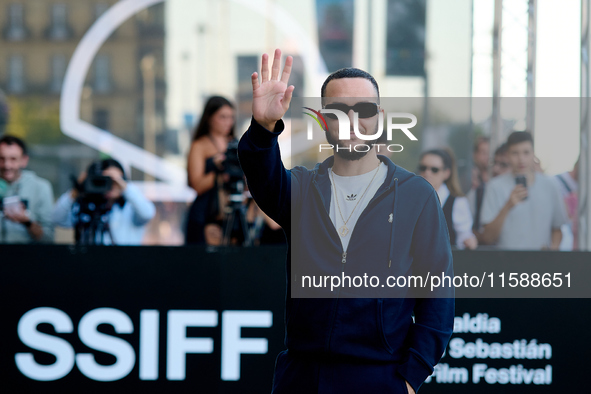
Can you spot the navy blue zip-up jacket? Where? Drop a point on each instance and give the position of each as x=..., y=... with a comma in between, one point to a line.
x=402, y=231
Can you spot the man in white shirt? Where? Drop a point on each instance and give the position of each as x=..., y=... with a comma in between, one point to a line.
x=522, y=216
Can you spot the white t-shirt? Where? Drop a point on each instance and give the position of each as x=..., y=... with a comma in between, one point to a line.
x=460, y=216
x=351, y=200
x=529, y=224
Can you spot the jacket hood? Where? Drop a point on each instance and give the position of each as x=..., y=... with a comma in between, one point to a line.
x=26, y=177
x=395, y=179
x=395, y=173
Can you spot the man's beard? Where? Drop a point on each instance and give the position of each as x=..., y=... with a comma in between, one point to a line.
x=15, y=175
x=343, y=151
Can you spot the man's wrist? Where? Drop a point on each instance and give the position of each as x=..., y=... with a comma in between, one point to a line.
x=268, y=125
x=263, y=138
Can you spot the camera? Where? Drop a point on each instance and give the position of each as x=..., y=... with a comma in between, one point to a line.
x=234, y=185
x=95, y=186
x=235, y=223
x=91, y=207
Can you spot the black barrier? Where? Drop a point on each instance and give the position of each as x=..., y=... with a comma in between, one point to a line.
x=134, y=283
x=179, y=320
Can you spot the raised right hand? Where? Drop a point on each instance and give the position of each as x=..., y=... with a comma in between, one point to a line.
x=271, y=96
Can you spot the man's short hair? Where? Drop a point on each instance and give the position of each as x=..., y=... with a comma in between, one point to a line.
x=479, y=141
x=99, y=166
x=12, y=140
x=517, y=137
x=501, y=150
x=349, y=72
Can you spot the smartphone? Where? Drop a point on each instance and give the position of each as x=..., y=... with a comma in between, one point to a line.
x=12, y=204
x=521, y=180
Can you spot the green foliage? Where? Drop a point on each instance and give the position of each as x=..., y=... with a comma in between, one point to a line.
x=35, y=120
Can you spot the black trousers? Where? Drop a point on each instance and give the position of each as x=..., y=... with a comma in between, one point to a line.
x=296, y=374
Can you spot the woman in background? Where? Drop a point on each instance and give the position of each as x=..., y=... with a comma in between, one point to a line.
x=210, y=142
x=439, y=168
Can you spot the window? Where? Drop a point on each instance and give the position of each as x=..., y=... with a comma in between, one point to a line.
x=59, y=22
x=335, y=32
x=16, y=25
x=99, y=9
x=101, y=119
x=405, y=43
x=246, y=65
x=102, y=74
x=151, y=21
x=16, y=74
x=58, y=70
x=297, y=76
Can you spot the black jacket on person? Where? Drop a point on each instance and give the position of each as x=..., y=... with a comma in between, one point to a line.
x=341, y=344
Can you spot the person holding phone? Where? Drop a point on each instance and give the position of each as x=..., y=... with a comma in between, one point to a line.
x=522, y=209
x=25, y=198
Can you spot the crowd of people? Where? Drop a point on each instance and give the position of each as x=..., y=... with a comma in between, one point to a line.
x=520, y=207
x=103, y=207
x=511, y=204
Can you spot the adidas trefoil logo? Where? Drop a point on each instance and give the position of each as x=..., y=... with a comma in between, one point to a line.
x=352, y=197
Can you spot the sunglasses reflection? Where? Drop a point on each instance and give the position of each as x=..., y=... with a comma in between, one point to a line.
x=363, y=109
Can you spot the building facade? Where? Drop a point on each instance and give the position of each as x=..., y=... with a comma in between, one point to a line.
x=38, y=39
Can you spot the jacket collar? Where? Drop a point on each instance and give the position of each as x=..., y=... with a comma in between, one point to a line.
x=322, y=180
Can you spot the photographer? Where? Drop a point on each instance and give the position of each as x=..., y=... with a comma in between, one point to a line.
x=206, y=171
x=120, y=209
x=25, y=199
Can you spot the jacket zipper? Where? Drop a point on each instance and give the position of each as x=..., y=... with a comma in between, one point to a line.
x=343, y=253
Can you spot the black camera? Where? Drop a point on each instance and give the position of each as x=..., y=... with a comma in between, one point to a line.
x=95, y=186
x=91, y=207
x=234, y=185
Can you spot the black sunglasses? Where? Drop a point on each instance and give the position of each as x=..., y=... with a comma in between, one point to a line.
x=434, y=170
x=365, y=109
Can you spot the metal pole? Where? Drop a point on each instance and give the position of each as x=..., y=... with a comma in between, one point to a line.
x=584, y=214
x=470, y=160
x=149, y=78
x=496, y=120
x=531, y=65
x=369, y=36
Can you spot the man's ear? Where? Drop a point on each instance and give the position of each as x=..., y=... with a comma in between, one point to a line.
x=24, y=161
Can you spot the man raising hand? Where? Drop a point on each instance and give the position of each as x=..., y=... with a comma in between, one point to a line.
x=356, y=212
